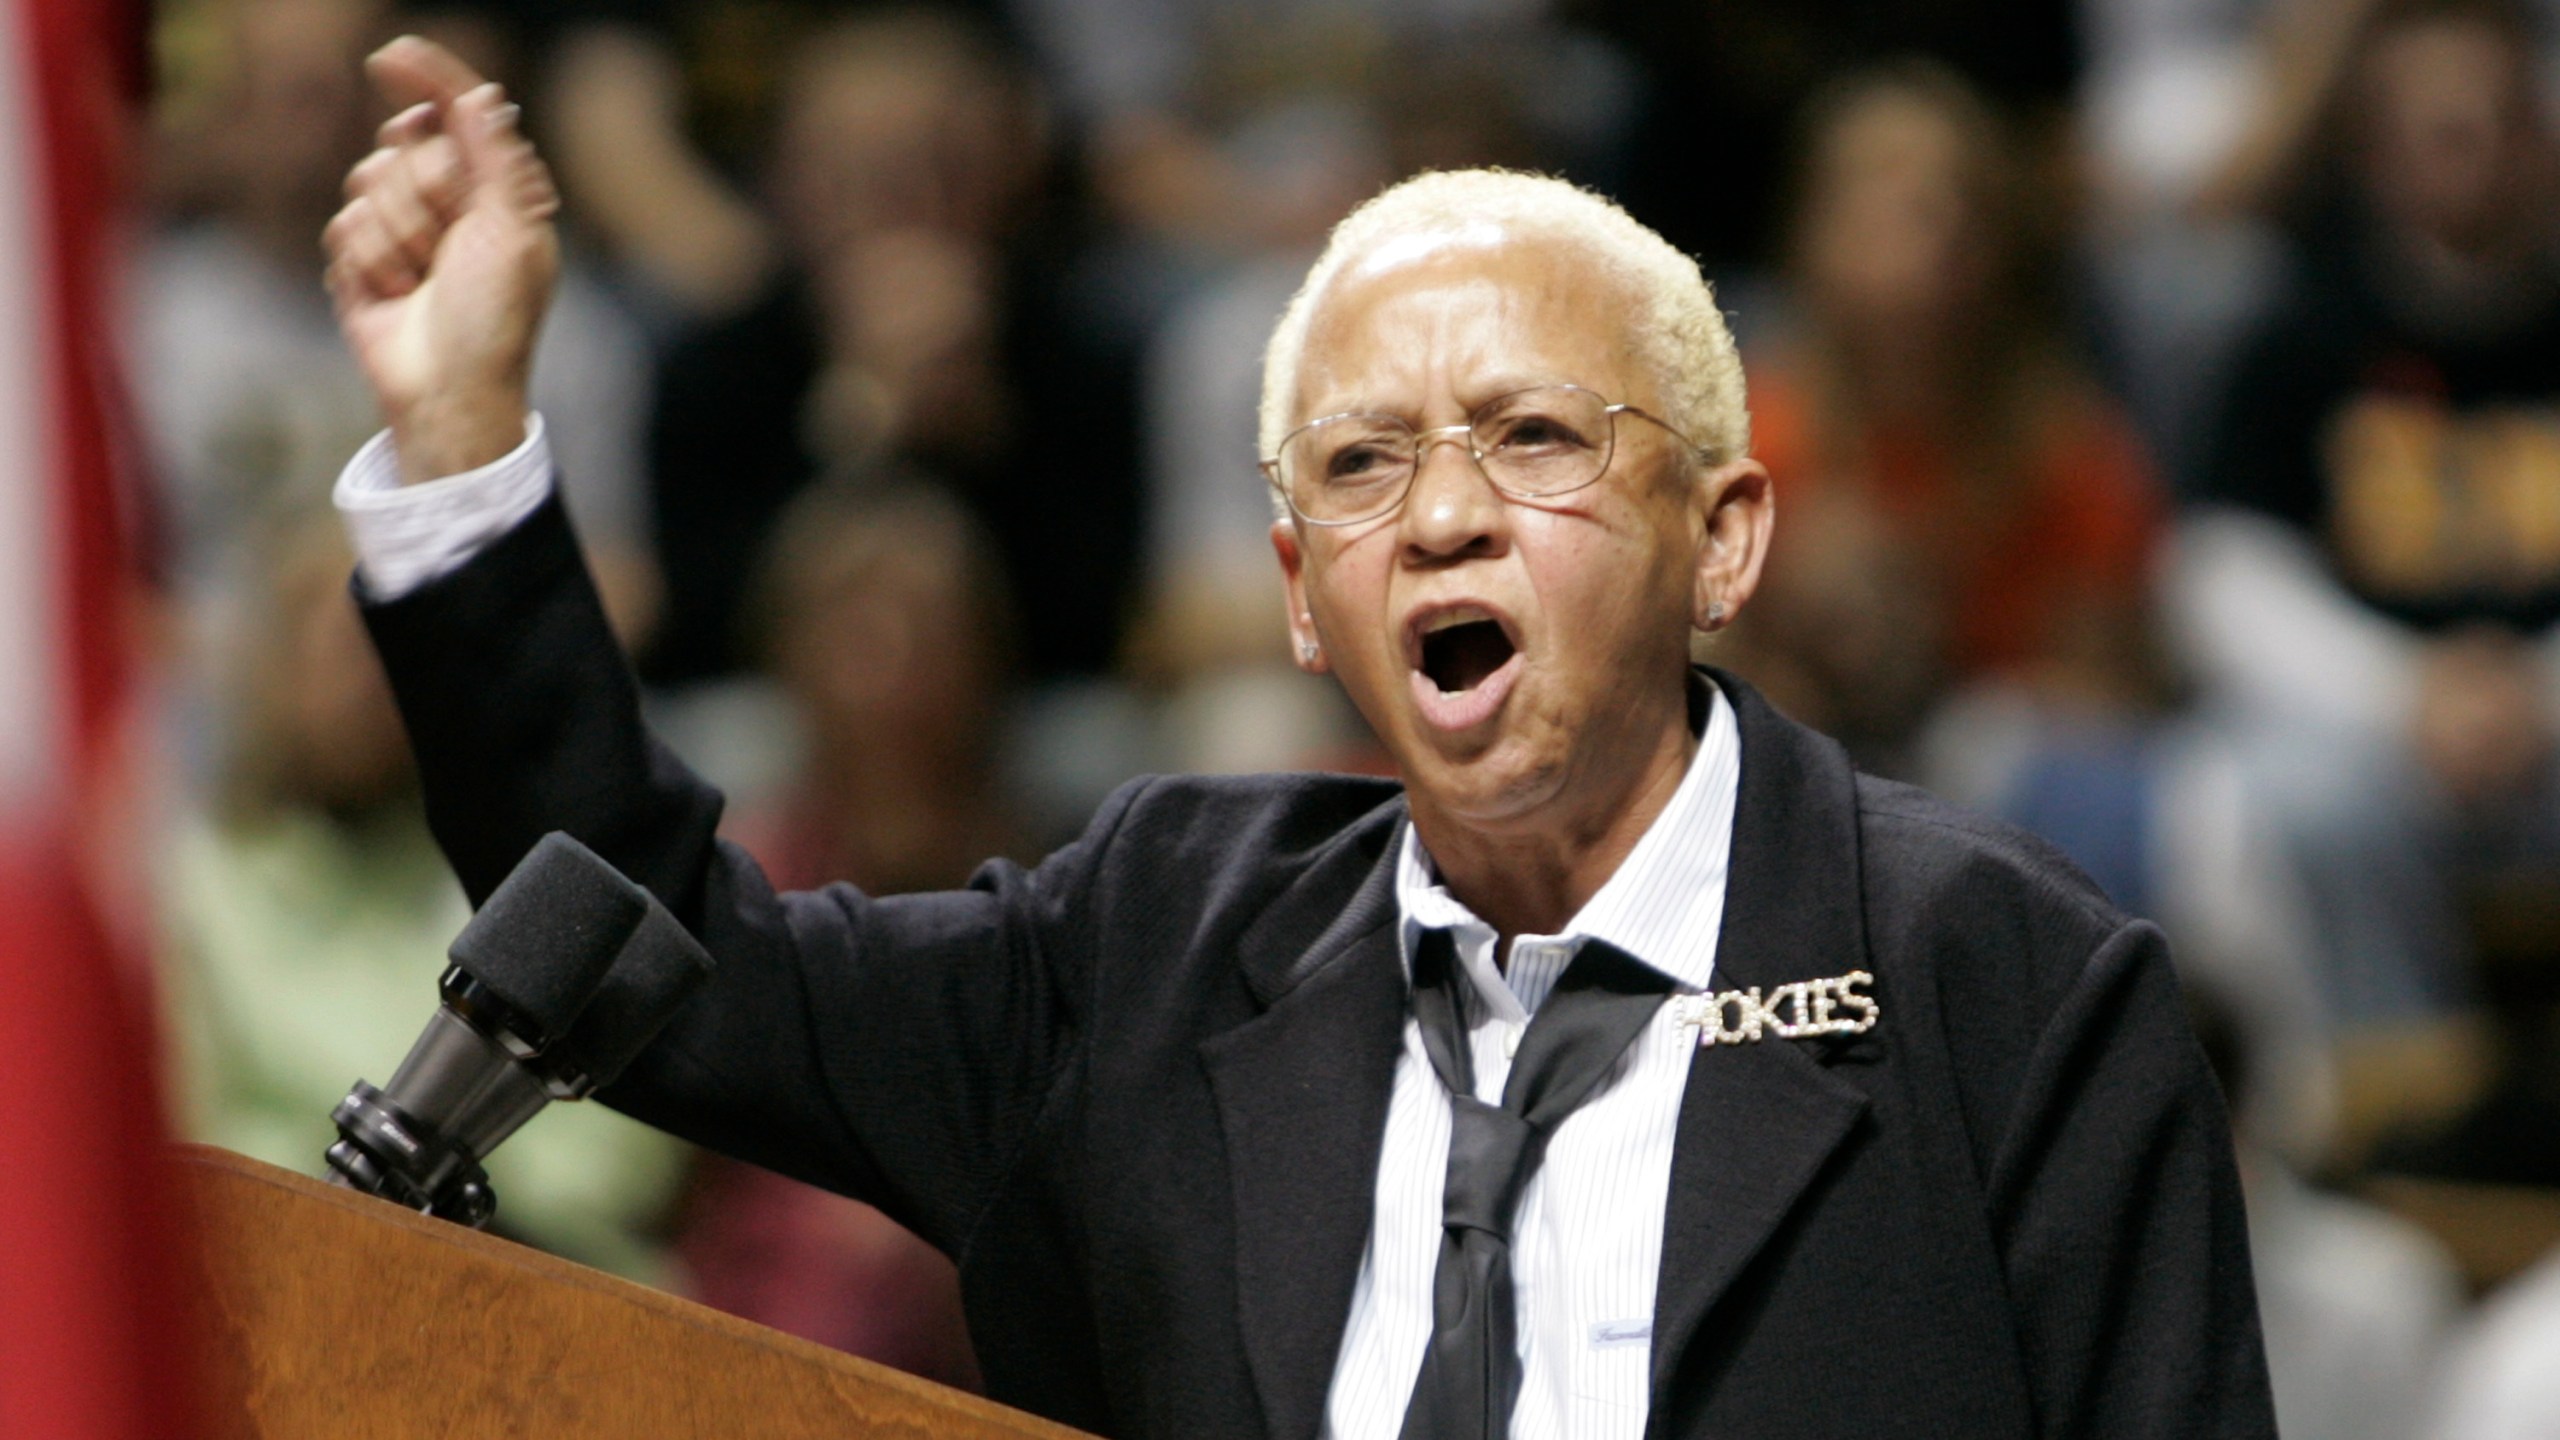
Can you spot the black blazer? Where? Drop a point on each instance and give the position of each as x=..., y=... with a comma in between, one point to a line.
x=1139, y=1091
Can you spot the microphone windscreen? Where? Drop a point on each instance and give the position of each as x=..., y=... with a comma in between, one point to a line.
x=658, y=970
x=544, y=941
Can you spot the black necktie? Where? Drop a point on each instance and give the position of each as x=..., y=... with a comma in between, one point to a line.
x=1471, y=1373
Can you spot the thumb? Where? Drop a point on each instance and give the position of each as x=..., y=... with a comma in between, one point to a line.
x=500, y=163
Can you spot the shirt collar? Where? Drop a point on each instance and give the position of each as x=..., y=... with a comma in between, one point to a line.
x=1665, y=903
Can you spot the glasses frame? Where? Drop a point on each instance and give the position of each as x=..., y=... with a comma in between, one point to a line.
x=1423, y=440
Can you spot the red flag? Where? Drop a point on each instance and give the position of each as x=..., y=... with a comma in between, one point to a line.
x=93, y=1265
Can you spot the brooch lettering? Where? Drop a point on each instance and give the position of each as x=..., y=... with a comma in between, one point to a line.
x=1790, y=1012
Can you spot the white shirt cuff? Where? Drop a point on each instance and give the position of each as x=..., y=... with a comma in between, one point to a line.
x=407, y=535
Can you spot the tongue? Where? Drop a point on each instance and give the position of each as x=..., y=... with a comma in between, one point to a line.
x=1459, y=658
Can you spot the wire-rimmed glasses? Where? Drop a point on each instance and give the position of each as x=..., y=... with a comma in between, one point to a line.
x=1532, y=444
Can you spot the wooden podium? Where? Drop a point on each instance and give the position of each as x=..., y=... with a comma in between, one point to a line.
x=335, y=1316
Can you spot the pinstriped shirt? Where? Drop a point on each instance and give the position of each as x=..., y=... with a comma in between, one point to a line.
x=1587, y=1240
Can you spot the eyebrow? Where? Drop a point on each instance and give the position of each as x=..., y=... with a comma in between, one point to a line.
x=1471, y=397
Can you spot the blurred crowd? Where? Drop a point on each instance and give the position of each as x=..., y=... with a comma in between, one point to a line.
x=2163, y=396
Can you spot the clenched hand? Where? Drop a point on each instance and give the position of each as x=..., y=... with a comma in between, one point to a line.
x=442, y=262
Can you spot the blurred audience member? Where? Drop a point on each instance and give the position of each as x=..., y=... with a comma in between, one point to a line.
x=245, y=389
x=2203, y=121
x=2354, y=1302
x=244, y=386
x=307, y=912
x=2509, y=1134
x=1732, y=79
x=2370, y=589
x=880, y=613
x=909, y=319
x=2172, y=88
x=1964, y=506
x=2182, y=98
x=1175, y=97
x=617, y=107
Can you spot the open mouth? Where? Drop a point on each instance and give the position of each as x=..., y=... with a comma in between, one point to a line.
x=1460, y=648
x=1459, y=658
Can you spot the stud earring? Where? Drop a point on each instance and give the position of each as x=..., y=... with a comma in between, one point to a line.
x=1308, y=651
x=1715, y=614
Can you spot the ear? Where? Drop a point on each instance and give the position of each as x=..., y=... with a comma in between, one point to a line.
x=1306, y=648
x=1741, y=511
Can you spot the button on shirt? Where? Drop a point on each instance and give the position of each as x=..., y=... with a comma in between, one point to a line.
x=1587, y=1240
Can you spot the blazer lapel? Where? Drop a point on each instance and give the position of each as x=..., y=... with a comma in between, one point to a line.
x=1758, y=1121
x=1302, y=1100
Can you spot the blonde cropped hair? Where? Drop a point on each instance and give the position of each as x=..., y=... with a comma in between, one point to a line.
x=1674, y=328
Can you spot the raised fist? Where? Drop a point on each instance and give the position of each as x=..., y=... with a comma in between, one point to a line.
x=442, y=262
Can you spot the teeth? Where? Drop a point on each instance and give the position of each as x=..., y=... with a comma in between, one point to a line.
x=1462, y=615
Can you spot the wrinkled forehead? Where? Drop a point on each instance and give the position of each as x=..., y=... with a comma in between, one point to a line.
x=1470, y=309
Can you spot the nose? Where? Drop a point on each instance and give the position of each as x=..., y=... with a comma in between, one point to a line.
x=1453, y=511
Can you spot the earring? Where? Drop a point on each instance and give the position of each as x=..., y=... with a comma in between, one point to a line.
x=1715, y=614
x=1308, y=651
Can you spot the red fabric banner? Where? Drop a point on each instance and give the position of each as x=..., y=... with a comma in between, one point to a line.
x=96, y=1272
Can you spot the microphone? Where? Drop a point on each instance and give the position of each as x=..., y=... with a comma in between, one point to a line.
x=660, y=967
x=564, y=975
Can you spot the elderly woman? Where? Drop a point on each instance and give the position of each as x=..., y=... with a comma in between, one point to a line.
x=1634, y=1067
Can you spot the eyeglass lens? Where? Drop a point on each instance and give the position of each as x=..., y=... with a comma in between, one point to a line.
x=1531, y=443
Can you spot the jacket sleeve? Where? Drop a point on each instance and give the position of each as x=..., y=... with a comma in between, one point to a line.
x=2116, y=1198
x=898, y=1050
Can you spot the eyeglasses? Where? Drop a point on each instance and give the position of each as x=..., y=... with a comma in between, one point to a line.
x=1532, y=444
